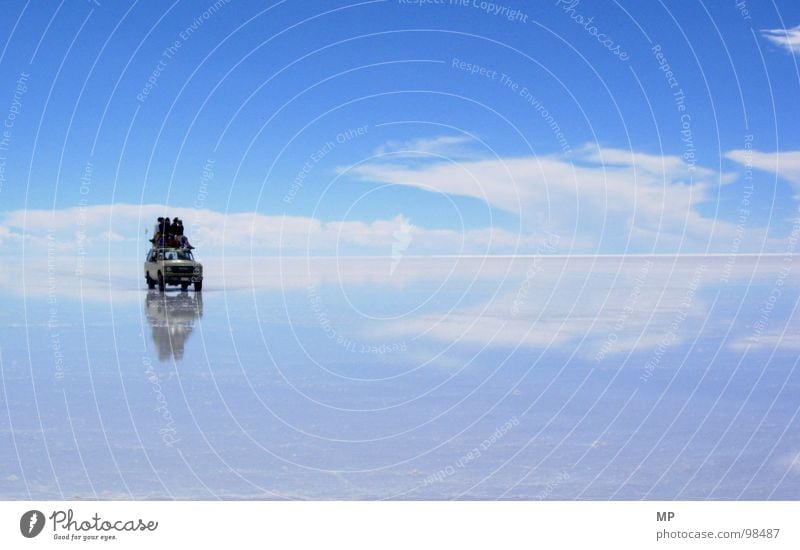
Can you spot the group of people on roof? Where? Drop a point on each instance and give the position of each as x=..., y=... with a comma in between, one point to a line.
x=169, y=234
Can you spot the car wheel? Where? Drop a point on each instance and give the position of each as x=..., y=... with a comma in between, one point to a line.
x=198, y=286
x=161, y=284
x=151, y=284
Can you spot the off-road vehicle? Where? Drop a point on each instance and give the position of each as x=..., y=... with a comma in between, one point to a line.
x=172, y=266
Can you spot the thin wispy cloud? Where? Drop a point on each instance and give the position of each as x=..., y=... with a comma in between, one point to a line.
x=784, y=164
x=449, y=147
x=602, y=198
x=786, y=38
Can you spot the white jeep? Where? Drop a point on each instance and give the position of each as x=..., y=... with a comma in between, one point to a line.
x=172, y=266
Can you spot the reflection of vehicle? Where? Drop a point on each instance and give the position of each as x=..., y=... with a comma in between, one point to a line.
x=172, y=266
x=172, y=318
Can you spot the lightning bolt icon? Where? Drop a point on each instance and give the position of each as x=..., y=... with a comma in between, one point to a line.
x=34, y=519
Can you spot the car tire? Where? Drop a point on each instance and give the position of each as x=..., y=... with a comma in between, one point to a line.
x=151, y=284
x=161, y=285
x=198, y=286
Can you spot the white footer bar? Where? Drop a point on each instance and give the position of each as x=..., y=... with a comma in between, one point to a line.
x=390, y=525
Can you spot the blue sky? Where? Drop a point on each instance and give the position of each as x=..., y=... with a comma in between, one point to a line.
x=447, y=127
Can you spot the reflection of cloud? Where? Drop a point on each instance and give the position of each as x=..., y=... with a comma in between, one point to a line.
x=794, y=463
x=125, y=278
x=589, y=300
x=595, y=194
x=73, y=277
x=487, y=327
x=786, y=38
x=785, y=164
x=556, y=322
x=603, y=303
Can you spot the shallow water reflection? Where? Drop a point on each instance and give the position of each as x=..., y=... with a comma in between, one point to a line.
x=172, y=317
x=522, y=378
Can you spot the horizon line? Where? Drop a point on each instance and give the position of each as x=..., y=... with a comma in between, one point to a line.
x=475, y=256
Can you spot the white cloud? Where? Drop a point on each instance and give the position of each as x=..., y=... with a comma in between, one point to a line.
x=786, y=38
x=94, y=229
x=772, y=340
x=785, y=164
x=97, y=278
x=452, y=147
x=601, y=198
x=598, y=200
